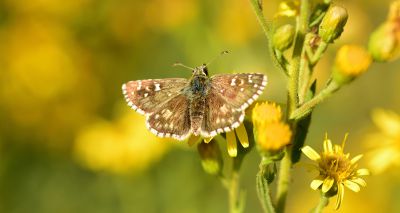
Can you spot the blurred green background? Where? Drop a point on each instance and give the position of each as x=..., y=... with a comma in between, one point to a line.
x=68, y=142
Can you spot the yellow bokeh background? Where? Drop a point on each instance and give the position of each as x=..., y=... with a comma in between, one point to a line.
x=68, y=142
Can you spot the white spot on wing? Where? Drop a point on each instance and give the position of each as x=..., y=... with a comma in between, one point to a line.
x=233, y=82
x=157, y=87
x=146, y=94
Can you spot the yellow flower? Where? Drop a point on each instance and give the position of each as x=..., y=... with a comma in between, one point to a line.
x=274, y=136
x=120, y=147
x=336, y=170
x=266, y=113
x=386, y=142
x=288, y=8
x=351, y=61
x=270, y=132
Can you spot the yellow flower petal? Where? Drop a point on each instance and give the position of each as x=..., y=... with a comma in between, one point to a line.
x=340, y=196
x=328, y=183
x=356, y=159
x=360, y=181
x=315, y=184
x=387, y=121
x=328, y=147
x=338, y=149
x=383, y=158
x=242, y=135
x=362, y=172
x=231, y=144
x=310, y=153
x=207, y=140
x=352, y=186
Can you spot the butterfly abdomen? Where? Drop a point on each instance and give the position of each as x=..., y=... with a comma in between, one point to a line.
x=197, y=106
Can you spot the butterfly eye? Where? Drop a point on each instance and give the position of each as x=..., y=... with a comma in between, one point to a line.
x=205, y=70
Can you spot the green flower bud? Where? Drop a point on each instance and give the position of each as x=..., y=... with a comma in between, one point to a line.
x=210, y=155
x=332, y=24
x=283, y=37
x=384, y=43
x=351, y=61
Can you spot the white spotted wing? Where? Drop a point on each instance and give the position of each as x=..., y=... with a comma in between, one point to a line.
x=146, y=96
x=229, y=96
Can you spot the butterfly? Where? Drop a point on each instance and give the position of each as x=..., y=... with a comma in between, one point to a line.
x=202, y=105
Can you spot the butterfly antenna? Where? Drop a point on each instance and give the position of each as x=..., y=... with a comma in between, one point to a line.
x=178, y=64
x=216, y=57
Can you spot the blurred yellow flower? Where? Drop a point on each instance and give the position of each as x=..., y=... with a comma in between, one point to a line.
x=270, y=132
x=121, y=147
x=235, y=28
x=49, y=7
x=41, y=81
x=167, y=14
x=336, y=170
x=288, y=8
x=386, y=142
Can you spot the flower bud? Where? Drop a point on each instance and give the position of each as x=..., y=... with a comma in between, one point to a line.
x=351, y=61
x=211, y=159
x=384, y=43
x=333, y=23
x=283, y=37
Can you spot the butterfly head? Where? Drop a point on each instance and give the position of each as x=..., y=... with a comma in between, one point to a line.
x=200, y=70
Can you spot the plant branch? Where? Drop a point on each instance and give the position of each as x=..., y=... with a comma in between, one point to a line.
x=263, y=191
x=323, y=201
x=306, y=108
x=267, y=29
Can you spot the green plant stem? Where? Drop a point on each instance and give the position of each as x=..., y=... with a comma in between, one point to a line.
x=306, y=108
x=267, y=29
x=260, y=17
x=293, y=100
x=263, y=191
x=236, y=203
x=318, y=53
x=283, y=181
x=323, y=201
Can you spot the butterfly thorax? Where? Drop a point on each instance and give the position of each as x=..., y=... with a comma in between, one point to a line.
x=199, y=87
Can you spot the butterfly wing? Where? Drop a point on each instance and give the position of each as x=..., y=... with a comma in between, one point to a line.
x=171, y=119
x=239, y=90
x=229, y=96
x=219, y=115
x=146, y=96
